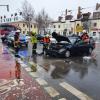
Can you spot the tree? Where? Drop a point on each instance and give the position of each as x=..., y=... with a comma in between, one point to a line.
x=43, y=21
x=27, y=12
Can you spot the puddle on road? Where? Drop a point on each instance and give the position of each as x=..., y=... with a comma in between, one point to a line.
x=61, y=68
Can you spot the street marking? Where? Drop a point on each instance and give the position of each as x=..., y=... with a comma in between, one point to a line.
x=62, y=99
x=20, y=61
x=23, y=65
x=34, y=74
x=11, y=50
x=28, y=69
x=75, y=91
x=32, y=63
x=51, y=91
x=41, y=81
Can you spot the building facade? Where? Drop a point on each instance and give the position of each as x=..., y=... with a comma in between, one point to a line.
x=18, y=22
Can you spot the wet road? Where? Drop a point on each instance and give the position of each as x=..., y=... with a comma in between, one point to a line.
x=84, y=76
x=15, y=82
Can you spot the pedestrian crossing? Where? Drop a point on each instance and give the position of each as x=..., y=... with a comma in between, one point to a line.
x=55, y=94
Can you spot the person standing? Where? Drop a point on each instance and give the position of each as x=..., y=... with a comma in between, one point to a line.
x=46, y=41
x=34, y=42
x=85, y=36
x=16, y=42
x=30, y=47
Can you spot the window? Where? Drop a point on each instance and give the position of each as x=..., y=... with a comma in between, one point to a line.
x=77, y=24
x=95, y=24
x=27, y=26
x=54, y=26
x=34, y=26
x=16, y=18
x=23, y=25
x=23, y=32
x=31, y=26
x=58, y=26
x=94, y=33
x=18, y=25
x=10, y=19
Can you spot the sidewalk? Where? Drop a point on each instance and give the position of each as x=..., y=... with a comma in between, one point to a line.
x=15, y=82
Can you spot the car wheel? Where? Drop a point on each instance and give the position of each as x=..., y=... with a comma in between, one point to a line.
x=90, y=50
x=67, y=54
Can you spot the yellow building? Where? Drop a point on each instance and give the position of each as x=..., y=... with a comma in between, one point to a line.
x=18, y=22
x=25, y=27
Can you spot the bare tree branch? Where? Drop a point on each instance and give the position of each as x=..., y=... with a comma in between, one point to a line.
x=27, y=11
x=43, y=20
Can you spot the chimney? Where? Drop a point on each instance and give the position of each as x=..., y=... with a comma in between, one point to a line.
x=59, y=18
x=79, y=14
x=65, y=12
x=97, y=6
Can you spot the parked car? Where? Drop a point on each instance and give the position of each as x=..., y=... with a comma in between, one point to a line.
x=73, y=45
x=23, y=40
x=40, y=36
x=5, y=29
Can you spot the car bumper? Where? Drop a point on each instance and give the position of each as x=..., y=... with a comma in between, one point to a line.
x=23, y=43
x=54, y=53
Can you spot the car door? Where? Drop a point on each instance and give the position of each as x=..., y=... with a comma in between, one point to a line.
x=78, y=46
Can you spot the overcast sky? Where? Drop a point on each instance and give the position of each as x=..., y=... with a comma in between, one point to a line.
x=53, y=7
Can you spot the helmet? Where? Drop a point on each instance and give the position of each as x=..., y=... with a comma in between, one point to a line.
x=47, y=35
x=84, y=31
x=18, y=31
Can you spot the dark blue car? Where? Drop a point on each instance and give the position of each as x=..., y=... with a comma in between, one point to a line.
x=73, y=45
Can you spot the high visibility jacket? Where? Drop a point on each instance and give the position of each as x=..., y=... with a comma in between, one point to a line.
x=16, y=41
x=46, y=40
x=84, y=37
x=33, y=39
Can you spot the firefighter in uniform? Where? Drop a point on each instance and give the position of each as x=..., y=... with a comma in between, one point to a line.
x=46, y=41
x=85, y=36
x=16, y=42
x=34, y=42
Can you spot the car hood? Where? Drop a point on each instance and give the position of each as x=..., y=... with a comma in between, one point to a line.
x=60, y=38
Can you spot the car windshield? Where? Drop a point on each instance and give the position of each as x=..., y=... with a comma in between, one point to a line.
x=22, y=35
x=72, y=39
x=11, y=35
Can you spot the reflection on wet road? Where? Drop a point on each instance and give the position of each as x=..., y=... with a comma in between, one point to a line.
x=15, y=82
x=84, y=75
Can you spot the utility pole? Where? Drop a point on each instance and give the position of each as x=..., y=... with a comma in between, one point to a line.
x=7, y=6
